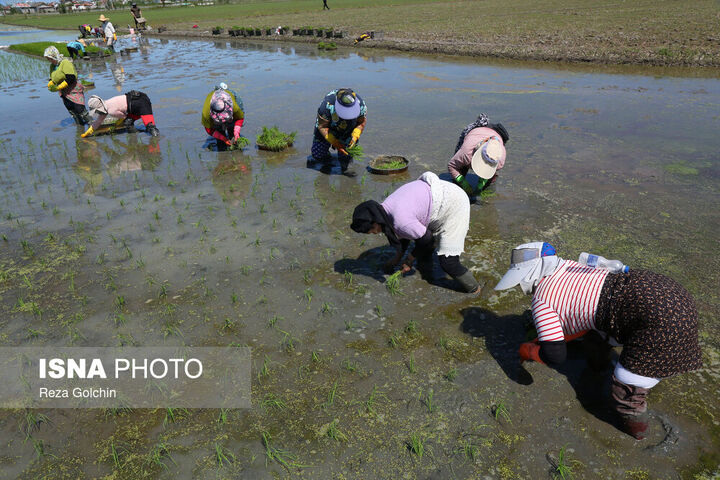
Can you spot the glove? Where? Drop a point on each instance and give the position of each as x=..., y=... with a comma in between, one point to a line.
x=355, y=137
x=51, y=86
x=62, y=85
x=463, y=183
x=481, y=184
x=237, y=128
x=88, y=132
x=339, y=146
x=529, y=351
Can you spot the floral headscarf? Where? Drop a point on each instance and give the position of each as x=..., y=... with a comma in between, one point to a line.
x=221, y=107
x=52, y=52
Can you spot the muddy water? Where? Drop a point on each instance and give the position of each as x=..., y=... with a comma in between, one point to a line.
x=253, y=248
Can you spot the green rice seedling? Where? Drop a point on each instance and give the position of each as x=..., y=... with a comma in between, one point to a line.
x=120, y=302
x=326, y=308
x=500, y=410
x=349, y=365
x=563, y=467
x=348, y=277
x=378, y=310
x=283, y=457
x=427, y=400
x=32, y=421
x=271, y=401
x=356, y=152
x=223, y=456
x=273, y=321
x=416, y=444
x=393, y=283
x=172, y=415
x=287, y=342
x=233, y=298
x=115, y=453
x=332, y=395
x=275, y=140
x=222, y=416
x=308, y=294
x=315, y=356
x=451, y=375
x=158, y=456
x=443, y=343
x=371, y=403
x=163, y=291
x=411, y=327
x=394, y=340
x=411, y=364
x=334, y=433
x=468, y=450
x=265, y=370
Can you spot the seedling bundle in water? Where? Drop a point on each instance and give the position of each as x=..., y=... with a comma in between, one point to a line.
x=275, y=140
x=356, y=152
x=241, y=143
x=327, y=46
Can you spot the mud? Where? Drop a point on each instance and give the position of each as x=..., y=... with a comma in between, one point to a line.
x=254, y=248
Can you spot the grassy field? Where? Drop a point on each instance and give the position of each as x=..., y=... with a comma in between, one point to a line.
x=663, y=32
x=38, y=48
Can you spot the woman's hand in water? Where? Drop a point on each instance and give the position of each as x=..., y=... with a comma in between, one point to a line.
x=407, y=265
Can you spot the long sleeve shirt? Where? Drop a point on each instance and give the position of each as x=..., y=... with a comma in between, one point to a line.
x=409, y=207
x=460, y=162
x=566, y=302
x=117, y=107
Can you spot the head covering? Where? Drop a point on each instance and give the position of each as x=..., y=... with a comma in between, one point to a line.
x=221, y=107
x=97, y=105
x=54, y=53
x=371, y=212
x=487, y=157
x=480, y=121
x=529, y=263
x=103, y=18
x=347, y=104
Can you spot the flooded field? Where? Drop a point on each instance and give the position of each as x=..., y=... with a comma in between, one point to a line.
x=133, y=240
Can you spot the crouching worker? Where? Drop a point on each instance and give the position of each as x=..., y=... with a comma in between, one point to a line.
x=650, y=315
x=481, y=146
x=426, y=210
x=63, y=79
x=76, y=48
x=340, y=121
x=223, y=116
x=125, y=108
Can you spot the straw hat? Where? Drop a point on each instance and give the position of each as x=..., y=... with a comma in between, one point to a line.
x=487, y=157
x=103, y=18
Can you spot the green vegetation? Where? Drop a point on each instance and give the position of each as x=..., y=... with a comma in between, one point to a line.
x=356, y=152
x=38, y=48
x=326, y=46
x=275, y=140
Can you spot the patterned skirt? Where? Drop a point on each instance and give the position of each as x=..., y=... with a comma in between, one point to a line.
x=76, y=94
x=655, y=320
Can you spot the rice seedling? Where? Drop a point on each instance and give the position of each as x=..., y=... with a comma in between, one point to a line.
x=349, y=365
x=356, y=152
x=308, y=294
x=158, y=456
x=451, y=375
x=332, y=395
x=333, y=432
x=393, y=283
x=287, y=342
x=315, y=357
x=394, y=340
x=32, y=421
x=411, y=364
x=411, y=327
x=283, y=457
x=563, y=467
x=416, y=445
x=265, y=370
x=271, y=401
x=273, y=321
x=427, y=400
x=468, y=450
x=222, y=416
x=348, y=278
x=115, y=454
x=223, y=456
x=326, y=308
x=443, y=343
x=500, y=410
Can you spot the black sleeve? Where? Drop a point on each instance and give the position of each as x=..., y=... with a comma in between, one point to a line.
x=404, y=244
x=424, y=245
x=553, y=353
x=70, y=79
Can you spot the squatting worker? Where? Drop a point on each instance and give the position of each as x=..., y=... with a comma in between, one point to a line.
x=76, y=48
x=425, y=210
x=340, y=121
x=108, y=32
x=650, y=315
x=63, y=79
x=223, y=116
x=125, y=108
x=481, y=146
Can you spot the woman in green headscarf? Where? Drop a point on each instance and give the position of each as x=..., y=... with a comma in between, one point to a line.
x=63, y=79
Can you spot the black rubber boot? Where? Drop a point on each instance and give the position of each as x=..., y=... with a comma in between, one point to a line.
x=631, y=406
x=467, y=282
x=152, y=130
x=129, y=124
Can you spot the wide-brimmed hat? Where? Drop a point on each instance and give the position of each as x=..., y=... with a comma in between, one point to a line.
x=487, y=157
x=523, y=259
x=347, y=104
x=103, y=18
x=221, y=107
x=97, y=105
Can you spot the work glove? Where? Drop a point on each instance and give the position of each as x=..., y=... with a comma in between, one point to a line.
x=51, y=86
x=88, y=132
x=355, y=136
x=337, y=144
x=481, y=184
x=62, y=85
x=529, y=351
x=463, y=183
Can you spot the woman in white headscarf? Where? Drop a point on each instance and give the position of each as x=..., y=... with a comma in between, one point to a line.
x=63, y=79
x=650, y=315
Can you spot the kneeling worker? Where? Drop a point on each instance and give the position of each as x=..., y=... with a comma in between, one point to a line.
x=126, y=108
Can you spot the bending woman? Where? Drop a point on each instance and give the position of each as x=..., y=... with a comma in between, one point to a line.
x=650, y=315
x=63, y=79
x=426, y=210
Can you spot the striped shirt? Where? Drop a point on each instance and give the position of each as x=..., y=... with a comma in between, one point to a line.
x=565, y=302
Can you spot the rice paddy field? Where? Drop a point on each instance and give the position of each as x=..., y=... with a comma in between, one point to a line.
x=132, y=240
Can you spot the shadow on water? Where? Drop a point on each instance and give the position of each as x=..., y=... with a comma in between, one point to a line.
x=369, y=263
x=333, y=165
x=504, y=334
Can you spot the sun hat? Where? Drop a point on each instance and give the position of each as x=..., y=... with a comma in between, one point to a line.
x=524, y=260
x=487, y=157
x=347, y=104
x=97, y=105
x=221, y=107
x=103, y=18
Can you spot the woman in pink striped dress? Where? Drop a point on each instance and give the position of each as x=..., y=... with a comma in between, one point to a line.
x=650, y=315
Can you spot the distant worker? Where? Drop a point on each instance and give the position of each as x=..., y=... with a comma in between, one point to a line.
x=325, y=5
x=650, y=315
x=108, y=32
x=340, y=121
x=63, y=79
x=425, y=211
x=76, y=48
x=137, y=16
x=125, y=108
x=85, y=30
x=481, y=146
x=223, y=116
x=363, y=36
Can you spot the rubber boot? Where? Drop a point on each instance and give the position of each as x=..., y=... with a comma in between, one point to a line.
x=84, y=118
x=152, y=130
x=76, y=118
x=467, y=282
x=129, y=124
x=631, y=407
